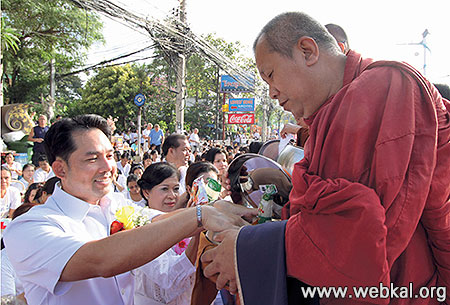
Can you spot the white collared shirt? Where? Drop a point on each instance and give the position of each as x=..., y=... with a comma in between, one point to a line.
x=124, y=169
x=41, y=242
x=41, y=176
x=12, y=200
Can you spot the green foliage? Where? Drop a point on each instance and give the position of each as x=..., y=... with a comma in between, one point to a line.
x=9, y=38
x=112, y=90
x=51, y=29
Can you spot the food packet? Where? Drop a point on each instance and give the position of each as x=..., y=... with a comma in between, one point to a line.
x=265, y=207
x=204, y=193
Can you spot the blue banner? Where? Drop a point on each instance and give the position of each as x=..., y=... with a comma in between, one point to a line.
x=236, y=83
x=241, y=104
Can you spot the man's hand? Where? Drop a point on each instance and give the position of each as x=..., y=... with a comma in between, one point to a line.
x=217, y=221
x=226, y=186
x=227, y=207
x=221, y=260
x=289, y=128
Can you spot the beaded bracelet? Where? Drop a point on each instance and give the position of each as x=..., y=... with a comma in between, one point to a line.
x=199, y=216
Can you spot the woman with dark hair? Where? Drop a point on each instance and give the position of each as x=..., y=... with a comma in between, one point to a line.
x=31, y=192
x=169, y=278
x=13, y=166
x=160, y=185
x=27, y=175
x=218, y=157
x=146, y=160
x=134, y=193
x=194, y=171
x=46, y=190
x=137, y=170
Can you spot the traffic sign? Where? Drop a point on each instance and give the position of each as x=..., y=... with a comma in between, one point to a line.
x=139, y=99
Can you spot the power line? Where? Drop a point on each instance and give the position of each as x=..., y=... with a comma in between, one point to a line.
x=172, y=36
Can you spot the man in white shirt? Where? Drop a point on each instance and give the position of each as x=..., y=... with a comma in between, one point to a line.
x=44, y=172
x=123, y=165
x=146, y=136
x=10, y=196
x=176, y=150
x=194, y=140
x=62, y=251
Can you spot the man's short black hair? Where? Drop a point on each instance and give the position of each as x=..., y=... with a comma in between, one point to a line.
x=172, y=141
x=42, y=158
x=58, y=140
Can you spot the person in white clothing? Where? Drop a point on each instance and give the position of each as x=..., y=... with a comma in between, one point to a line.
x=169, y=278
x=134, y=192
x=27, y=176
x=13, y=166
x=44, y=172
x=194, y=140
x=146, y=135
x=62, y=250
x=10, y=196
x=176, y=150
x=123, y=165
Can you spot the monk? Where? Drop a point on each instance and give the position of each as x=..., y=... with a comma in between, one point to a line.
x=370, y=204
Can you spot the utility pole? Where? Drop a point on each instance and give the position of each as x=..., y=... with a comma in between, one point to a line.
x=51, y=101
x=181, y=78
x=265, y=118
x=217, y=105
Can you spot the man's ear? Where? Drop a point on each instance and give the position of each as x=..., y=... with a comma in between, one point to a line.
x=59, y=168
x=309, y=48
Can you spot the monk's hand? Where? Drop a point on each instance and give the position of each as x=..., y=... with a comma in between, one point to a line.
x=228, y=207
x=221, y=260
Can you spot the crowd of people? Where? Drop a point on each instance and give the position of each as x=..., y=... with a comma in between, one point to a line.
x=370, y=201
x=161, y=179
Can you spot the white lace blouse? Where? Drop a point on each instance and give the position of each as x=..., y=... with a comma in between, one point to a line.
x=168, y=279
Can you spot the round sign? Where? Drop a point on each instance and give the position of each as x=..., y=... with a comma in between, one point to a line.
x=139, y=100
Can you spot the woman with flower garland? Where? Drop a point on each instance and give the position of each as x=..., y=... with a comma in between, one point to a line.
x=169, y=278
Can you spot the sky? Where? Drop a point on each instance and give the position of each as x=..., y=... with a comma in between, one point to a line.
x=379, y=29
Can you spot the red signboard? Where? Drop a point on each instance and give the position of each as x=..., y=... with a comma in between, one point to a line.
x=241, y=118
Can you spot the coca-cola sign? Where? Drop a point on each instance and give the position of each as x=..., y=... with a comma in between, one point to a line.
x=241, y=118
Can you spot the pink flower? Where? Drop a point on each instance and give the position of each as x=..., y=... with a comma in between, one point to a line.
x=181, y=246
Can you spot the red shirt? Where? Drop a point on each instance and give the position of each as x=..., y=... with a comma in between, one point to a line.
x=371, y=199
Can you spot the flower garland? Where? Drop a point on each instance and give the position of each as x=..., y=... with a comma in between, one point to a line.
x=128, y=218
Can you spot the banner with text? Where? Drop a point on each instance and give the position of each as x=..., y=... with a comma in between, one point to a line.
x=241, y=118
x=242, y=104
x=230, y=83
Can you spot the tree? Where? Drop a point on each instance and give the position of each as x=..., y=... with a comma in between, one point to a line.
x=46, y=30
x=112, y=90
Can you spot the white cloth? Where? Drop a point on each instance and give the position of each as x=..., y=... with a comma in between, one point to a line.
x=122, y=181
x=142, y=203
x=12, y=200
x=194, y=139
x=124, y=169
x=14, y=166
x=11, y=285
x=41, y=176
x=168, y=279
x=183, y=170
x=41, y=242
x=25, y=183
